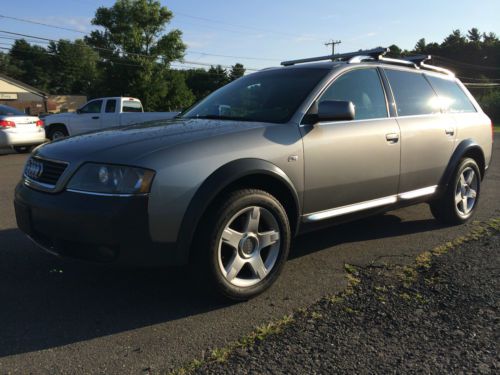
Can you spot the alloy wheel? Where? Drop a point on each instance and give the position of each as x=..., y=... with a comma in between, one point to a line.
x=249, y=246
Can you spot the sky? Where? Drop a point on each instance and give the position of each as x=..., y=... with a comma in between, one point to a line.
x=261, y=33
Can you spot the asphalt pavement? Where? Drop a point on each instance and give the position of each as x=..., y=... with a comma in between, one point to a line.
x=65, y=316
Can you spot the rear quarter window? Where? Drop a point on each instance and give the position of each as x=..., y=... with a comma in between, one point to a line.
x=412, y=92
x=131, y=106
x=452, y=98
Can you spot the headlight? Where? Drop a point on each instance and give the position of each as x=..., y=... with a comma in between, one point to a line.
x=111, y=179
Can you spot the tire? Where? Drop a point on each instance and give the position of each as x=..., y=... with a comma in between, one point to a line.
x=248, y=244
x=57, y=132
x=22, y=149
x=459, y=202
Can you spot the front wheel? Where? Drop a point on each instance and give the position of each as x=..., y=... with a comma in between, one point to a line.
x=23, y=149
x=249, y=242
x=459, y=202
x=57, y=132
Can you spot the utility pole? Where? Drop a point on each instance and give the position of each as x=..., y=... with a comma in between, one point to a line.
x=333, y=43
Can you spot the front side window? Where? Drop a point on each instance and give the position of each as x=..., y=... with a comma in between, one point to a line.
x=413, y=94
x=111, y=106
x=363, y=88
x=92, y=107
x=451, y=96
x=268, y=96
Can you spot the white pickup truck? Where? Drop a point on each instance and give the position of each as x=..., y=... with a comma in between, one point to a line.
x=100, y=114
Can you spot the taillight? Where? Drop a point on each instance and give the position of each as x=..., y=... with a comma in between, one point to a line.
x=39, y=123
x=7, y=124
x=492, y=132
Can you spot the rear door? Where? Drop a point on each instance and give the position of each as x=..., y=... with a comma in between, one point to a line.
x=352, y=162
x=111, y=114
x=88, y=118
x=427, y=134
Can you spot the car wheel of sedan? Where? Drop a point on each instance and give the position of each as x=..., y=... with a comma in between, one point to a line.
x=249, y=244
x=458, y=204
x=22, y=149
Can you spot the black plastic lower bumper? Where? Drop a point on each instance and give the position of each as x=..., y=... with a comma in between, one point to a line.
x=91, y=227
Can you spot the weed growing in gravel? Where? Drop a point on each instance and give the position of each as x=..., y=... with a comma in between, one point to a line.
x=316, y=315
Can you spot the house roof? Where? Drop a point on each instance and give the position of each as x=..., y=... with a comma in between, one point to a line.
x=29, y=88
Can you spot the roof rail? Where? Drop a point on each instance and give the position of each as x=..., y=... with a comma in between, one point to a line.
x=374, y=53
x=419, y=61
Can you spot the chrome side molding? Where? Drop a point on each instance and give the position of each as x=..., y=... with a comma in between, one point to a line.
x=339, y=211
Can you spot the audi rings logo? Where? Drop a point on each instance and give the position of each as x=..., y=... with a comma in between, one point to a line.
x=34, y=169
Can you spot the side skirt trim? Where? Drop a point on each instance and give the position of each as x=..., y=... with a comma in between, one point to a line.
x=334, y=212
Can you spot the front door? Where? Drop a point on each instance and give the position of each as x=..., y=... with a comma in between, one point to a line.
x=88, y=118
x=352, y=165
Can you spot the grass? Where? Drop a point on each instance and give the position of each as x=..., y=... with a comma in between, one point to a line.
x=497, y=128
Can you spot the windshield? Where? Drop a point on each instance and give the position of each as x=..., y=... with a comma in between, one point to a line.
x=267, y=96
x=5, y=110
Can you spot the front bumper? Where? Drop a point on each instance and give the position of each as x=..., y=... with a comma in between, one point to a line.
x=11, y=137
x=92, y=227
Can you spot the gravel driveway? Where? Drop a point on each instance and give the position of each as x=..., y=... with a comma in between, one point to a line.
x=439, y=316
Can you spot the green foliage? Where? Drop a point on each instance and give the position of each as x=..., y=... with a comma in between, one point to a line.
x=137, y=53
x=490, y=103
x=236, y=72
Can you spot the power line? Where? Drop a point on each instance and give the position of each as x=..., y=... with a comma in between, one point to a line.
x=82, y=32
x=124, y=52
x=42, y=24
x=236, y=25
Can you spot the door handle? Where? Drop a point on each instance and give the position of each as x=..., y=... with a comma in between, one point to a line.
x=392, y=137
x=449, y=131
x=95, y=117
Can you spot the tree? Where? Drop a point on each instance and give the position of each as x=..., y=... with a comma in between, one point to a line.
x=474, y=35
x=394, y=51
x=455, y=39
x=75, y=67
x=136, y=50
x=218, y=77
x=236, y=72
x=421, y=45
x=30, y=64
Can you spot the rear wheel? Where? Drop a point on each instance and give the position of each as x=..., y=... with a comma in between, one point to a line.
x=459, y=202
x=249, y=242
x=57, y=132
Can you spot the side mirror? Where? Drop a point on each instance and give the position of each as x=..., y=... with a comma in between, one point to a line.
x=78, y=111
x=335, y=110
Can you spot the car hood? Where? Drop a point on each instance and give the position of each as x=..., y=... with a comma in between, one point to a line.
x=57, y=117
x=131, y=143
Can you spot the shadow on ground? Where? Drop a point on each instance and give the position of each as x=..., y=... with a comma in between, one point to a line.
x=48, y=302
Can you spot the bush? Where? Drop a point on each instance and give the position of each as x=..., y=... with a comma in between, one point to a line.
x=490, y=102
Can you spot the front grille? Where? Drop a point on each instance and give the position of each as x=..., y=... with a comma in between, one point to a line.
x=44, y=171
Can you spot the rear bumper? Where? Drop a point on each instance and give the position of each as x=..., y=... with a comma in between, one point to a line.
x=9, y=137
x=95, y=228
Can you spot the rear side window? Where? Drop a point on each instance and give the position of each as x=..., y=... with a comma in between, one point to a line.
x=451, y=96
x=111, y=106
x=363, y=88
x=131, y=106
x=413, y=94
